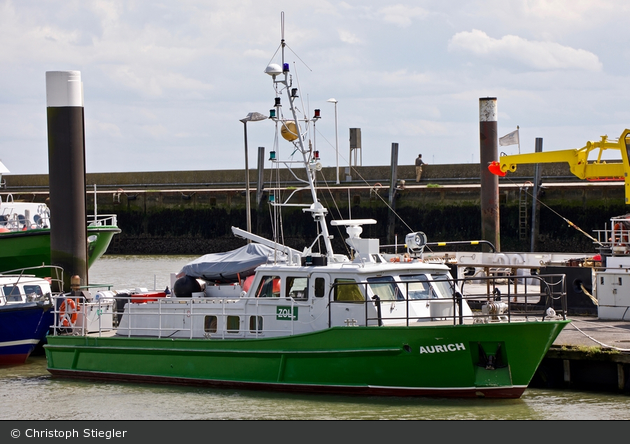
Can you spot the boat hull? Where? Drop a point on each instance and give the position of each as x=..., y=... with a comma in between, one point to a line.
x=31, y=248
x=22, y=328
x=479, y=360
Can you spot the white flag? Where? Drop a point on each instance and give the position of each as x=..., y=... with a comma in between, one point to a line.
x=509, y=139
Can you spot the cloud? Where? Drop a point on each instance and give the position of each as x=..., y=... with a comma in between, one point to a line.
x=545, y=56
x=348, y=37
x=401, y=15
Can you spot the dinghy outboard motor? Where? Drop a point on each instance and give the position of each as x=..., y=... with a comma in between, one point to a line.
x=185, y=286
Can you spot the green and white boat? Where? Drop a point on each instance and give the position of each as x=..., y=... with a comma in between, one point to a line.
x=25, y=234
x=366, y=323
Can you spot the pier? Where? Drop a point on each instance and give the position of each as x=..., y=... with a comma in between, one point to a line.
x=589, y=354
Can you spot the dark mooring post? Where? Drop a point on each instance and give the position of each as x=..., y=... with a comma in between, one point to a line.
x=66, y=172
x=260, y=183
x=535, y=196
x=489, y=182
x=391, y=220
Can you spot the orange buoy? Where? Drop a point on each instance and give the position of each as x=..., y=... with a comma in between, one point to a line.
x=289, y=131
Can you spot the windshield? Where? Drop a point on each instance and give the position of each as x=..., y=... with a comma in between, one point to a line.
x=418, y=286
x=443, y=285
x=440, y=286
x=385, y=288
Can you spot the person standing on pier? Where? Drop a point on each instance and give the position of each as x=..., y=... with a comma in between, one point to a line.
x=419, y=164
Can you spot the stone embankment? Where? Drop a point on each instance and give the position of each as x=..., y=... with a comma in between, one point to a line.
x=192, y=212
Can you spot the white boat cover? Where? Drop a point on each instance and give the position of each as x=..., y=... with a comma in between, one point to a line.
x=230, y=266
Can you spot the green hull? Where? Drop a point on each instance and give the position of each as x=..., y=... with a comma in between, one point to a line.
x=491, y=360
x=31, y=248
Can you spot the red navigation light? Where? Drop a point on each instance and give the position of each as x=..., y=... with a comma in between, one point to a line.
x=495, y=168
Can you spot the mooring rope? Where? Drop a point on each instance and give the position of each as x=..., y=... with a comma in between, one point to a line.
x=595, y=340
x=593, y=298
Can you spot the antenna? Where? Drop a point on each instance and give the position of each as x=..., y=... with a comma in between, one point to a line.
x=282, y=44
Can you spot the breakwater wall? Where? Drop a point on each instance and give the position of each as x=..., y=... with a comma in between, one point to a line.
x=192, y=212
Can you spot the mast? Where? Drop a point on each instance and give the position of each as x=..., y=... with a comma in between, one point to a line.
x=297, y=137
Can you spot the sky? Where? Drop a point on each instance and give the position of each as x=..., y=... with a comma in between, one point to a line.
x=167, y=82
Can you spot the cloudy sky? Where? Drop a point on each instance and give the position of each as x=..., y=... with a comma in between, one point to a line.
x=166, y=82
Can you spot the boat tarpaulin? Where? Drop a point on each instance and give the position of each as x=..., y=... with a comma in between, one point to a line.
x=229, y=266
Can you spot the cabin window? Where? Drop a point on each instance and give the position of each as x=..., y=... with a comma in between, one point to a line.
x=255, y=324
x=12, y=293
x=269, y=287
x=33, y=291
x=444, y=286
x=320, y=287
x=347, y=290
x=210, y=324
x=417, y=286
x=297, y=288
x=385, y=288
x=233, y=324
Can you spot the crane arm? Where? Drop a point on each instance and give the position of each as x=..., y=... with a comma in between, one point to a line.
x=578, y=161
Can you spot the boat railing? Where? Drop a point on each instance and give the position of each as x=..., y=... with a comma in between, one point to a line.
x=374, y=303
x=26, y=274
x=101, y=220
x=537, y=296
x=19, y=222
x=80, y=315
x=490, y=298
x=616, y=239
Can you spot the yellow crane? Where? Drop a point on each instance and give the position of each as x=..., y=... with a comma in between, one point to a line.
x=578, y=161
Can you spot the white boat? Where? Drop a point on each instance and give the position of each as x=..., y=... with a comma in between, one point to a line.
x=26, y=313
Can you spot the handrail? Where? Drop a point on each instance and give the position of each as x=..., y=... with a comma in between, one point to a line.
x=490, y=307
x=534, y=303
x=99, y=220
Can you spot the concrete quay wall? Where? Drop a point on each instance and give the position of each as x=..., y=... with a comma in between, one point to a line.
x=192, y=212
x=361, y=175
x=440, y=184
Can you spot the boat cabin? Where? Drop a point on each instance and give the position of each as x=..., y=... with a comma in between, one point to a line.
x=284, y=300
x=22, y=289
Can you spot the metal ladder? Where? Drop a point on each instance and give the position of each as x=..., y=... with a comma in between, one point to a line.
x=522, y=213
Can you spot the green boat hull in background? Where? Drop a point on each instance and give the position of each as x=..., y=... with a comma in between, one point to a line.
x=478, y=360
x=31, y=248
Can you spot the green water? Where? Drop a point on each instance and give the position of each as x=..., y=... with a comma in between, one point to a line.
x=29, y=393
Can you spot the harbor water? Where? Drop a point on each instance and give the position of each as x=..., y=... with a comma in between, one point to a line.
x=28, y=392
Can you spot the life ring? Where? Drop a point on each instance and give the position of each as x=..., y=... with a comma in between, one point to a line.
x=68, y=313
x=406, y=257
